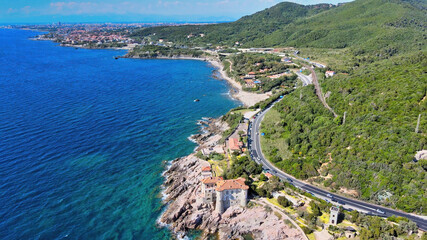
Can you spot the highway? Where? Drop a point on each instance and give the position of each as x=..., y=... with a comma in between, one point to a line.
x=306, y=80
x=254, y=147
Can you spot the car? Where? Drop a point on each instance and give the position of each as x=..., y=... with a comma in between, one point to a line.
x=274, y=171
x=329, y=195
x=379, y=211
x=289, y=179
x=341, y=202
x=333, y=199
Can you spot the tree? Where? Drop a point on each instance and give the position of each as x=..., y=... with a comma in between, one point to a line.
x=315, y=209
x=283, y=201
x=262, y=177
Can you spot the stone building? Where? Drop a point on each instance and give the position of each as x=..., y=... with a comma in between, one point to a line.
x=208, y=189
x=206, y=172
x=333, y=218
x=224, y=193
x=231, y=193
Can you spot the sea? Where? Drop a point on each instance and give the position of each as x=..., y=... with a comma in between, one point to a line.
x=84, y=138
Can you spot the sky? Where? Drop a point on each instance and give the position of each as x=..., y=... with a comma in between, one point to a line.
x=49, y=11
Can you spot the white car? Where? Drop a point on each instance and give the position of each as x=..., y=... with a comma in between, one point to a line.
x=379, y=211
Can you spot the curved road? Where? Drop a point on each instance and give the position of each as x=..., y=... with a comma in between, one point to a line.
x=254, y=146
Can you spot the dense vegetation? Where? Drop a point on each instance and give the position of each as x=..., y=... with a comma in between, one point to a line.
x=380, y=89
x=248, y=30
x=242, y=167
x=153, y=51
x=364, y=23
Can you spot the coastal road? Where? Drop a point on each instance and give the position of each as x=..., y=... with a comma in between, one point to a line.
x=306, y=80
x=254, y=146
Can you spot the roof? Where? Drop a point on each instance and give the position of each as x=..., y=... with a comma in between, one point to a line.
x=231, y=184
x=251, y=73
x=234, y=144
x=335, y=209
x=211, y=180
x=206, y=169
x=351, y=229
x=268, y=175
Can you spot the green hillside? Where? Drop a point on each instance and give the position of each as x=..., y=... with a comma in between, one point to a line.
x=382, y=93
x=245, y=30
x=378, y=48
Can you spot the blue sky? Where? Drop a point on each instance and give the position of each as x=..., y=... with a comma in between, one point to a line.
x=46, y=11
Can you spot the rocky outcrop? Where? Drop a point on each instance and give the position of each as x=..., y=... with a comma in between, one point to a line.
x=186, y=212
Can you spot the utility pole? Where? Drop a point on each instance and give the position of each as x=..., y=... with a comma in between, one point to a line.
x=418, y=124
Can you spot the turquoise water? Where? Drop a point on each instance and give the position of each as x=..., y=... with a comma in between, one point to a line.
x=83, y=137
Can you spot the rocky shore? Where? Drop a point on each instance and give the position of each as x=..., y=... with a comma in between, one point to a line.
x=185, y=212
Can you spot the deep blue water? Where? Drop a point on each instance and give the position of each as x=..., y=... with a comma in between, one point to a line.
x=83, y=137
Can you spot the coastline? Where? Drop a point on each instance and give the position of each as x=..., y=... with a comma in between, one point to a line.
x=184, y=211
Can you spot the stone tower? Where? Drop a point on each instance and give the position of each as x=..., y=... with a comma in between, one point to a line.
x=219, y=204
x=333, y=218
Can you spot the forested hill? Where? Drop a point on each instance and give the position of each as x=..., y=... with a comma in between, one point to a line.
x=360, y=22
x=378, y=49
x=248, y=29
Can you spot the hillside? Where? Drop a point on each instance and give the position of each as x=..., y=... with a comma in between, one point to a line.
x=378, y=48
x=245, y=30
x=382, y=93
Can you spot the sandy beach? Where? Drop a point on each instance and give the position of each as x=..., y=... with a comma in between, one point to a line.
x=247, y=98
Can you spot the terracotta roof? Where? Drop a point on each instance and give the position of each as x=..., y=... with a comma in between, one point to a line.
x=234, y=144
x=268, y=175
x=231, y=184
x=206, y=169
x=211, y=180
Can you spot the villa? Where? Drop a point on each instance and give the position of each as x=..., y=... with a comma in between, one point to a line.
x=234, y=145
x=224, y=193
x=250, y=83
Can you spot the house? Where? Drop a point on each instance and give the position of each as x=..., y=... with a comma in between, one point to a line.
x=250, y=83
x=329, y=73
x=276, y=76
x=286, y=60
x=350, y=232
x=230, y=193
x=268, y=175
x=208, y=189
x=333, y=218
x=206, y=172
x=234, y=145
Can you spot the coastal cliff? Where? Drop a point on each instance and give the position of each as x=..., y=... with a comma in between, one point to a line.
x=185, y=212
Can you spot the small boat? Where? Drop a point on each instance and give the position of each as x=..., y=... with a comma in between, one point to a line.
x=196, y=100
x=116, y=58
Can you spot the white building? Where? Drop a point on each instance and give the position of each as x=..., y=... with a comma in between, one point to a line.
x=333, y=218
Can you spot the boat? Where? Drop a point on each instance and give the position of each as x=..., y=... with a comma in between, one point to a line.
x=196, y=100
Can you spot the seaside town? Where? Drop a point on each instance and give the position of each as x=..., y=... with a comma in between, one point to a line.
x=225, y=189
